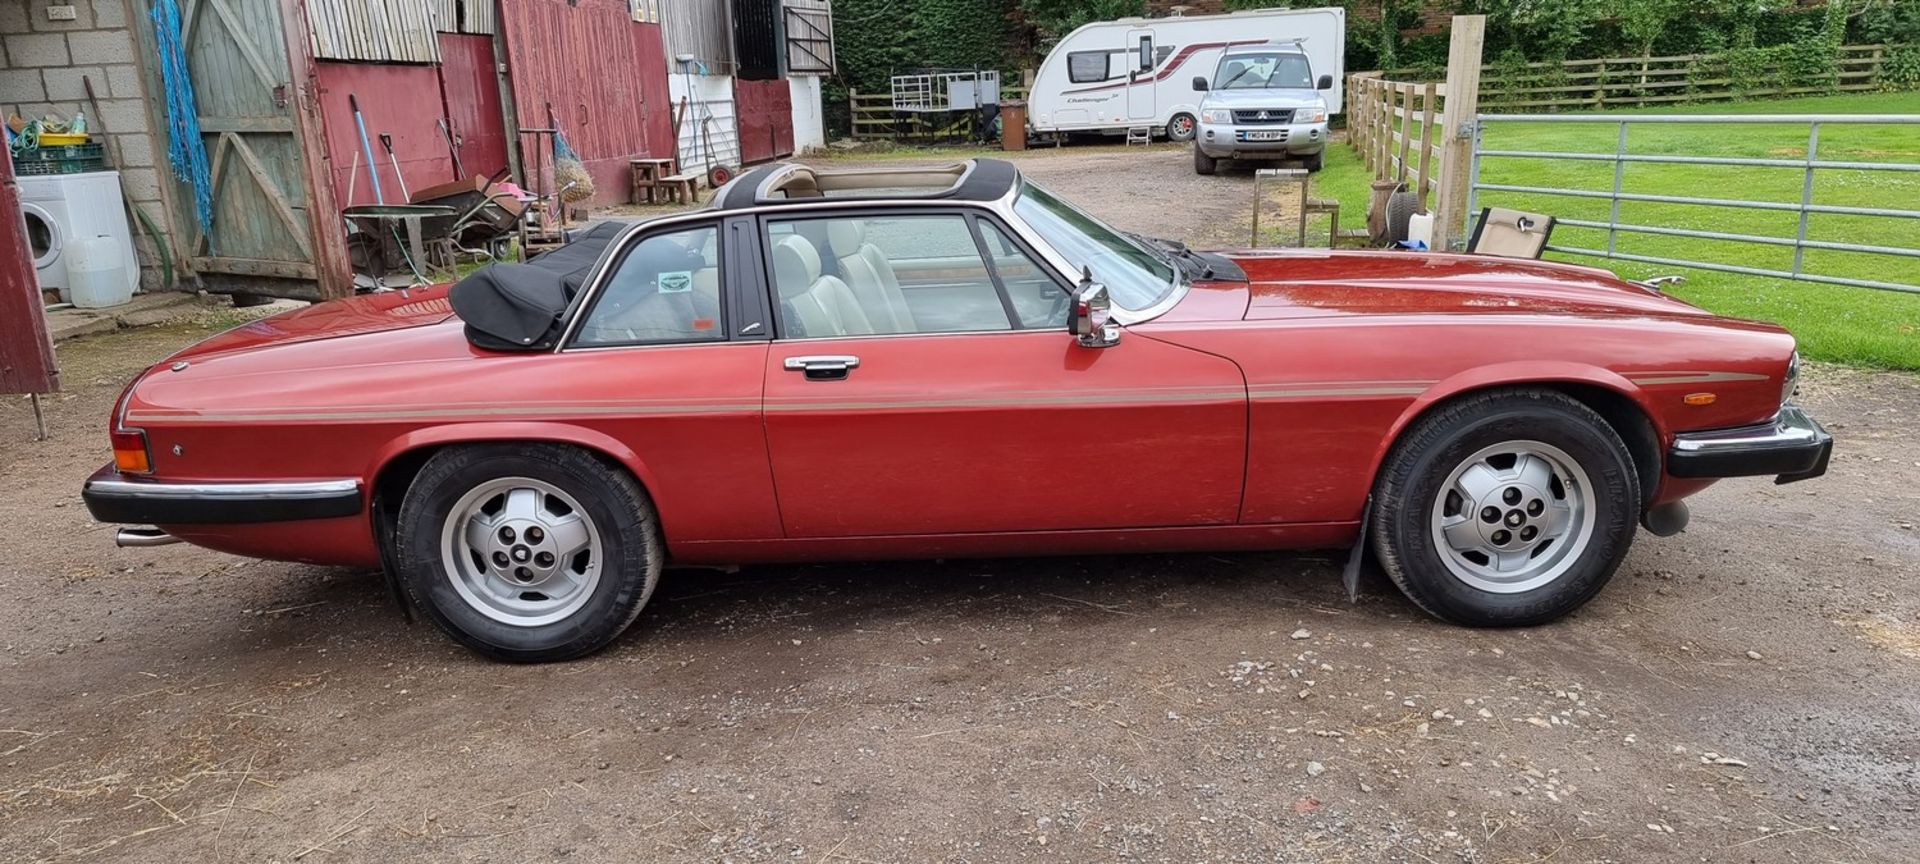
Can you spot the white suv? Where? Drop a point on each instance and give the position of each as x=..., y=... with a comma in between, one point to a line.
x=1263, y=103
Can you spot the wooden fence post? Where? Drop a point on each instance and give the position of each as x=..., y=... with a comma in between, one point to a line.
x=1457, y=135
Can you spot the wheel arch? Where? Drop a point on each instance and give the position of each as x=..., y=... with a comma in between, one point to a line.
x=1622, y=405
x=392, y=470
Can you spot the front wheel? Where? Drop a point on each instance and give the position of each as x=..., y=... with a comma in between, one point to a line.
x=1316, y=162
x=1181, y=127
x=1507, y=508
x=527, y=552
x=1202, y=163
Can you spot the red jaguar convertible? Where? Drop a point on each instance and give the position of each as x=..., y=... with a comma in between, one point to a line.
x=947, y=362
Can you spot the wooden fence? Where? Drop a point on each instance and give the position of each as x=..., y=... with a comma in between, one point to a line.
x=1615, y=82
x=1396, y=126
x=874, y=117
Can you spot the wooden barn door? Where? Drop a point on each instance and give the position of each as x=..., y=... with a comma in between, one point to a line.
x=27, y=362
x=472, y=92
x=274, y=228
x=765, y=115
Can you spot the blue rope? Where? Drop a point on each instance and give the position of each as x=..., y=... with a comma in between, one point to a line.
x=186, y=150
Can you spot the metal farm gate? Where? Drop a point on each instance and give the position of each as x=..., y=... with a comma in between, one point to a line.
x=1902, y=272
x=248, y=63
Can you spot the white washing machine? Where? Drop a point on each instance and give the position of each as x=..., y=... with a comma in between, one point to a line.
x=60, y=208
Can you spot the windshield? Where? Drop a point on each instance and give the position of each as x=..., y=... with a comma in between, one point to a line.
x=1280, y=70
x=1135, y=278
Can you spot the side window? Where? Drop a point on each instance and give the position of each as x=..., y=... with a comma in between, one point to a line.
x=1087, y=67
x=1146, y=53
x=1037, y=299
x=871, y=275
x=666, y=288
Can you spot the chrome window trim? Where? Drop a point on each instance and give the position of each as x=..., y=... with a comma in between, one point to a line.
x=1001, y=207
x=276, y=490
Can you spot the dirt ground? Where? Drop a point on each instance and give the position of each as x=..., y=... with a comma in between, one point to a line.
x=1746, y=692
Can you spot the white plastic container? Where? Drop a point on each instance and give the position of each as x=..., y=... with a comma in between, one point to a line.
x=97, y=273
x=1420, y=227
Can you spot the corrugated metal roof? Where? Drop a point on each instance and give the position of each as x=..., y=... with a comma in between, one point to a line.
x=701, y=28
x=463, y=16
x=390, y=31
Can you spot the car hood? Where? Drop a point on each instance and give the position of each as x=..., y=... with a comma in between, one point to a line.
x=1305, y=284
x=1288, y=98
x=366, y=313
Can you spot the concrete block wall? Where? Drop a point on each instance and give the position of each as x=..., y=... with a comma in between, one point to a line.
x=43, y=63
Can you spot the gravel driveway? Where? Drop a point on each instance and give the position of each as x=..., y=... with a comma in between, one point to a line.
x=1746, y=692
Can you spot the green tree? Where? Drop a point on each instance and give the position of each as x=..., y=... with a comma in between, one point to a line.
x=1052, y=19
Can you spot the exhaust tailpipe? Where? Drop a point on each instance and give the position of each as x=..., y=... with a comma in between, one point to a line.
x=135, y=538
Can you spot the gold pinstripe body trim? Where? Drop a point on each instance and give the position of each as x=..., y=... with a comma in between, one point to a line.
x=470, y=411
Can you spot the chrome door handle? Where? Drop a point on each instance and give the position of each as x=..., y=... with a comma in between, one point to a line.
x=823, y=367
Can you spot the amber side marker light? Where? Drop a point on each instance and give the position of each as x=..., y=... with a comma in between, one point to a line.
x=1699, y=398
x=130, y=452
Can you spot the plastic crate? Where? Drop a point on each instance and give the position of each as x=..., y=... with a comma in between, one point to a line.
x=61, y=159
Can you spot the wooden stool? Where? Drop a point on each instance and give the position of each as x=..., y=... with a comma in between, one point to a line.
x=678, y=185
x=647, y=176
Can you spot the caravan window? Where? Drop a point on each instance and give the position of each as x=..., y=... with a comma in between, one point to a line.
x=1087, y=67
x=1146, y=53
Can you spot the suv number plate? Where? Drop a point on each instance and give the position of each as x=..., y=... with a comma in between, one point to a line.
x=1266, y=135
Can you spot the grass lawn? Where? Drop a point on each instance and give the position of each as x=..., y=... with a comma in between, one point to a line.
x=1834, y=323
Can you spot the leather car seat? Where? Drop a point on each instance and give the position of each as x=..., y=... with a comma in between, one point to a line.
x=868, y=272
x=816, y=305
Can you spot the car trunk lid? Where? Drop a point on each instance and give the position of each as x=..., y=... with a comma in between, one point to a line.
x=367, y=313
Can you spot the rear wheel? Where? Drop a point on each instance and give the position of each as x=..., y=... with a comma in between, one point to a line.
x=1181, y=127
x=1202, y=163
x=527, y=552
x=1507, y=508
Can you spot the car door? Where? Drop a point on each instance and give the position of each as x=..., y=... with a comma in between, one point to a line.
x=666, y=358
x=922, y=382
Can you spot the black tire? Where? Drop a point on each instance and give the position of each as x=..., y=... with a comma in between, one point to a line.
x=1202, y=163
x=1400, y=209
x=1316, y=162
x=1405, y=498
x=630, y=567
x=1181, y=127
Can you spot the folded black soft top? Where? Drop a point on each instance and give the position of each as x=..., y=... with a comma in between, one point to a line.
x=517, y=307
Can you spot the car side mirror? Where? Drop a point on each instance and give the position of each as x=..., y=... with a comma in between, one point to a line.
x=1092, y=320
x=1325, y=83
x=1200, y=83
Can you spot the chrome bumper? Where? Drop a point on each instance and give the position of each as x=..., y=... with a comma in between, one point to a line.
x=1227, y=140
x=1792, y=446
x=113, y=497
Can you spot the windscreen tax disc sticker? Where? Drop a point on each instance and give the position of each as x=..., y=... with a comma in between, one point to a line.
x=676, y=282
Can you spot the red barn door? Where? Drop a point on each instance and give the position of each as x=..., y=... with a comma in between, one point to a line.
x=472, y=91
x=765, y=112
x=26, y=352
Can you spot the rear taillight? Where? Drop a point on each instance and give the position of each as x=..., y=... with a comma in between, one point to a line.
x=130, y=452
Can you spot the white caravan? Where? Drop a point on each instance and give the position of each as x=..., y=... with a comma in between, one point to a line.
x=1111, y=76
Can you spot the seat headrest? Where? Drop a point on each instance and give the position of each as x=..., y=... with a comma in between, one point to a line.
x=796, y=265
x=846, y=236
